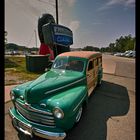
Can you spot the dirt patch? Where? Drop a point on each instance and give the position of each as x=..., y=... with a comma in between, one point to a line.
x=14, y=79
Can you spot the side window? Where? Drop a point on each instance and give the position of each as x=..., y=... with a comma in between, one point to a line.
x=90, y=65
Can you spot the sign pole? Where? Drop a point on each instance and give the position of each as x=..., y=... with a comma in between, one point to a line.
x=56, y=1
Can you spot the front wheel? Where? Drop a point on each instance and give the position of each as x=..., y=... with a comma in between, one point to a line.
x=79, y=114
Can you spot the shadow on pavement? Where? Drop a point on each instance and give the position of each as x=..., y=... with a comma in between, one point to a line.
x=107, y=100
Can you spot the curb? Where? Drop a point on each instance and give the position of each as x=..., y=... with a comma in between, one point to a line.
x=118, y=75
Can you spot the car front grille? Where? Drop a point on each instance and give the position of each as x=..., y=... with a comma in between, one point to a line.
x=34, y=115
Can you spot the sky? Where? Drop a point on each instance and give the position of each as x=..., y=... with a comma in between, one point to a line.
x=93, y=22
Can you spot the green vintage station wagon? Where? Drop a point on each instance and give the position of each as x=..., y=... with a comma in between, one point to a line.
x=50, y=105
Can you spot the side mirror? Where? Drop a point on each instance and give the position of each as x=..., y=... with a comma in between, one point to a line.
x=47, y=69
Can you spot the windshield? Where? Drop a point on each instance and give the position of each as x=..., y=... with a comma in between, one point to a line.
x=67, y=64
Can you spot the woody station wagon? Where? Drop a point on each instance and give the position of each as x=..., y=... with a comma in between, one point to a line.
x=53, y=103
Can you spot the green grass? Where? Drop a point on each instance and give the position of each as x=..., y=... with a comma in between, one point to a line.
x=15, y=71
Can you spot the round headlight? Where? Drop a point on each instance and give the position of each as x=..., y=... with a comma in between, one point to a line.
x=12, y=95
x=43, y=105
x=58, y=113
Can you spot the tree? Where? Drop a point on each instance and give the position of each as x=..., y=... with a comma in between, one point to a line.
x=121, y=44
x=90, y=48
x=125, y=43
x=112, y=47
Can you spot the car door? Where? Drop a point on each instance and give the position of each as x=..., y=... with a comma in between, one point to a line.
x=90, y=76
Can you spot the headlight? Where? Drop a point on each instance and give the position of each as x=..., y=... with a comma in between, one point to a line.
x=12, y=95
x=58, y=113
x=43, y=105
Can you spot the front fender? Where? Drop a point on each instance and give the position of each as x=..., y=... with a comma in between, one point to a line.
x=69, y=101
x=20, y=89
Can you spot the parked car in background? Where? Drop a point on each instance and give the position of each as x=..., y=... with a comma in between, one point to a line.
x=126, y=52
x=118, y=54
x=134, y=54
x=130, y=54
x=54, y=102
x=8, y=53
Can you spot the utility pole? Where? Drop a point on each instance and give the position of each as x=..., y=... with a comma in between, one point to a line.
x=55, y=46
x=35, y=38
x=56, y=3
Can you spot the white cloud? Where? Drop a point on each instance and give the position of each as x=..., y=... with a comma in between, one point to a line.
x=122, y=2
x=114, y=2
x=70, y=2
x=74, y=25
x=110, y=3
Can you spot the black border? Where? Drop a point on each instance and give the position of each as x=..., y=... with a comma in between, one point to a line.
x=2, y=70
x=137, y=96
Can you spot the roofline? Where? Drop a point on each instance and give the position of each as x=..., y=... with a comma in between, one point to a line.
x=81, y=54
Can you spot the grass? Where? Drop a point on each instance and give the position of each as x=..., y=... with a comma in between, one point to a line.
x=15, y=71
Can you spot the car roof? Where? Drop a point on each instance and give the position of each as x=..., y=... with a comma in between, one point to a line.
x=82, y=54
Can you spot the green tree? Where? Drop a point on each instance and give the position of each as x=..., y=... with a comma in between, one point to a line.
x=112, y=47
x=125, y=43
x=90, y=48
x=121, y=44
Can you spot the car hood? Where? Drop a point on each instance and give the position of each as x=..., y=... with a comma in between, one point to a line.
x=51, y=82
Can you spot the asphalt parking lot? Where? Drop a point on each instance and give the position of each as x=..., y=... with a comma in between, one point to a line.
x=110, y=114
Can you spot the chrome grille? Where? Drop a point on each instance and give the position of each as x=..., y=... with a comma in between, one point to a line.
x=45, y=119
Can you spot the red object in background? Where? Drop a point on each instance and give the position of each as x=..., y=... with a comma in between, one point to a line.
x=44, y=49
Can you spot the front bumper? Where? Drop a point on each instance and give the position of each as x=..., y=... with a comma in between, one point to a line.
x=30, y=130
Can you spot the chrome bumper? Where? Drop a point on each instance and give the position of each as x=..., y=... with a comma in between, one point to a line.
x=29, y=130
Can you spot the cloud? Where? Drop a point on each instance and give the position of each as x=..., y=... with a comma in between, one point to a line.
x=74, y=25
x=114, y=2
x=130, y=3
x=122, y=2
x=110, y=3
x=70, y=2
